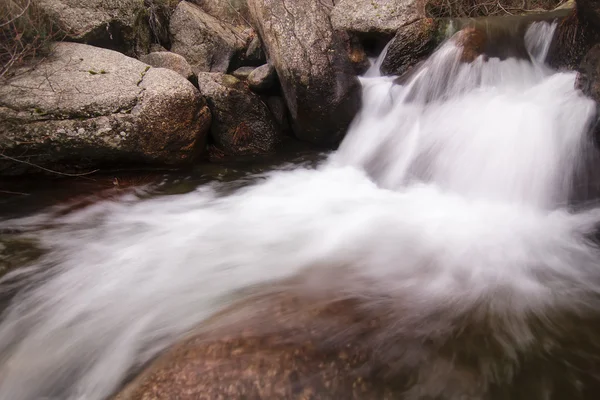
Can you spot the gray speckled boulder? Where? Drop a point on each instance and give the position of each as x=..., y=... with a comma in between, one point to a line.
x=313, y=64
x=116, y=24
x=380, y=16
x=172, y=61
x=86, y=107
x=209, y=45
x=242, y=123
x=234, y=12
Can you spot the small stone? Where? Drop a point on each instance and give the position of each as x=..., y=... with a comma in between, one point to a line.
x=243, y=72
x=262, y=78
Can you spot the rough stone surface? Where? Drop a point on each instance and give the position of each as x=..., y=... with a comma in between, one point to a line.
x=412, y=44
x=209, y=45
x=575, y=35
x=312, y=62
x=115, y=24
x=375, y=16
x=262, y=78
x=279, y=110
x=233, y=12
x=254, y=52
x=242, y=123
x=242, y=73
x=85, y=106
x=172, y=61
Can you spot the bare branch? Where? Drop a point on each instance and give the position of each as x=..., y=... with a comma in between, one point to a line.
x=46, y=169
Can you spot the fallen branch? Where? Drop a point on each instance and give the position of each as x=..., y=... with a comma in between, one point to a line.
x=47, y=169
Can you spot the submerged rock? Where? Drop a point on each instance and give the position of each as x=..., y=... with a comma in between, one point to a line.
x=242, y=123
x=84, y=106
x=115, y=24
x=284, y=347
x=255, y=365
x=207, y=43
x=262, y=78
x=375, y=16
x=172, y=61
x=316, y=74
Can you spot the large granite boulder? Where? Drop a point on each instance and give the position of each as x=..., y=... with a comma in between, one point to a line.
x=208, y=44
x=85, y=107
x=313, y=65
x=172, y=61
x=233, y=12
x=375, y=16
x=242, y=123
x=115, y=24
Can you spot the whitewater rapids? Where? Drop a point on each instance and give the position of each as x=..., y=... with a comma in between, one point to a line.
x=448, y=201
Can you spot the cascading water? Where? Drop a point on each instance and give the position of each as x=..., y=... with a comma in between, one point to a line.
x=447, y=203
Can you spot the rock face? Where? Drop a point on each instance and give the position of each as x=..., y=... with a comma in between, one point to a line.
x=589, y=73
x=311, y=58
x=209, y=45
x=575, y=35
x=590, y=10
x=115, y=24
x=242, y=123
x=262, y=78
x=412, y=44
x=370, y=16
x=172, y=61
x=234, y=12
x=86, y=107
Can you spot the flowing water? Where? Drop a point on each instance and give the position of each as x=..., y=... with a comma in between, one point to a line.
x=448, y=200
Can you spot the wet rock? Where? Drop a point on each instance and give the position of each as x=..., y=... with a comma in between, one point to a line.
x=575, y=35
x=588, y=79
x=254, y=365
x=473, y=42
x=374, y=16
x=242, y=73
x=262, y=78
x=242, y=123
x=207, y=43
x=277, y=107
x=114, y=24
x=311, y=59
x=84, y=107
x=172, y=61
x=412, y=44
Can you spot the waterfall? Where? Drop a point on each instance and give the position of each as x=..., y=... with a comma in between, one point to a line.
x=447, y=202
